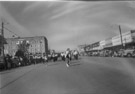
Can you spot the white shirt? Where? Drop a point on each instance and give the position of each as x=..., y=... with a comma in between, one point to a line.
x=75, y=53
x=67, y=53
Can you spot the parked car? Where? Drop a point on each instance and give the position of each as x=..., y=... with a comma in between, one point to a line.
x=127, y=53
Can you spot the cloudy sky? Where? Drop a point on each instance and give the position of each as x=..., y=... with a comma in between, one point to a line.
x=68, y=24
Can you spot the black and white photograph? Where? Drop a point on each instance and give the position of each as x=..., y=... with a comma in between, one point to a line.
x=67, y=47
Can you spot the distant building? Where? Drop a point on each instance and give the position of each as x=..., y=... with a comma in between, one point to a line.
x=38, y=45
x=126, y=40
x=81, y=49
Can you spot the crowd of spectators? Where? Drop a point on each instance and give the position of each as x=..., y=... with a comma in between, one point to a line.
x=11, y=62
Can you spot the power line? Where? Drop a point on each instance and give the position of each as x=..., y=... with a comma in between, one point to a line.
x=11, y=31
x=3, y=27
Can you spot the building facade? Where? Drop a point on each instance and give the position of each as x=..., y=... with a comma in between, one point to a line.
x=124, y=41
x=38, y=45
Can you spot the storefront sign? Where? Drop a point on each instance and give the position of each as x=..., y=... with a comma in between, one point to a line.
x=108, y=42
x=126, y=38
x=102, y=44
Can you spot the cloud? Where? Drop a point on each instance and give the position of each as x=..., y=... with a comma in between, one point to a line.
x=61, y=37
x=68, y=24
x=32, y=6
x=1, y=12
x=128, y=26
x=131, y=4
x=68, y=8
x=13, y=25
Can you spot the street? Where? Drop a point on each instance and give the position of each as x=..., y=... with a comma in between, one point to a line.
x=88, y=75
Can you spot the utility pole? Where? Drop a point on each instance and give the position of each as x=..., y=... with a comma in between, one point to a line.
x=121, y=36
x=2, y=34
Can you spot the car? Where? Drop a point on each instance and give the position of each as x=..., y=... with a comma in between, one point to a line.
x=127, y=52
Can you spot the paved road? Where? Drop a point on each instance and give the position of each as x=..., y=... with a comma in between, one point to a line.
x=88, y=75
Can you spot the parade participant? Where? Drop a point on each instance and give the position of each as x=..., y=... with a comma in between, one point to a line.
x=63, y=56
x=68, y=56
x=75, y=54
x=45, y=58
x=53, y=57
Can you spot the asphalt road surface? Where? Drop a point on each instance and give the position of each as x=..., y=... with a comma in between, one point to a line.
x=88, y=75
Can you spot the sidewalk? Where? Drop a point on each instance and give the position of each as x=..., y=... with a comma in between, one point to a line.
x=9, y=76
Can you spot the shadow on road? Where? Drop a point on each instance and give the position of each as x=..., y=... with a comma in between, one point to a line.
x=75, y=63
x=11, y=70
x=54, y=63
x=72, y=63
x=7, y=71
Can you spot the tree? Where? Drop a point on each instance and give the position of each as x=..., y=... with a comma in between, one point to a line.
x=22, y=49
x=19, y=53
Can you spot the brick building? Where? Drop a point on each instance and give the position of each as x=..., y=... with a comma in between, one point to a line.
x=38, y=45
